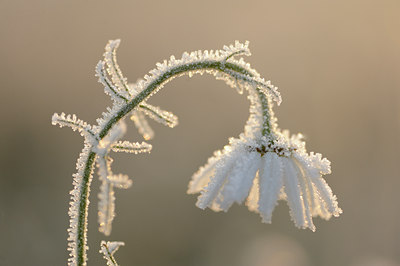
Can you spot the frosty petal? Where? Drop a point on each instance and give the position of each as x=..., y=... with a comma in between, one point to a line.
x=306, y=196
x=325, y=202
x=291, y=184
x=254, y=195
x=320, y=206
x=327, y=196
x=222, y=170
x=270, y=185
x=202, y=177
x=239, y=181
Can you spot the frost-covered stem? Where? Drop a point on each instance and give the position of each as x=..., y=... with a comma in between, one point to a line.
x=83, y=210
x=228, y=68
x=268, y=115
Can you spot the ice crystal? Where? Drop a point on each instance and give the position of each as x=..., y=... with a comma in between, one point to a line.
x=108, y=249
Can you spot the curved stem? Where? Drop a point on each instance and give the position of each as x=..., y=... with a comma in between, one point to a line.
x=228, y=68
x=225, y=67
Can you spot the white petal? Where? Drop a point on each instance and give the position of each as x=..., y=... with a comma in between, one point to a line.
x=202, y=177
x=223, y=168
x=254, y=195
x=291, y=184
x=270, y=185
x=313, y=197
x=239, y=180
x=307, y=197
x=327, y=196
x=320, y=206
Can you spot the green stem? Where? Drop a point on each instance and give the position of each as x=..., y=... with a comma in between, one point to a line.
x=267, y=129
x=83, y=209
x=228, y=68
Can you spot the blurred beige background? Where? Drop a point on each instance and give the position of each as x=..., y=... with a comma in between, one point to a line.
x=337, y=64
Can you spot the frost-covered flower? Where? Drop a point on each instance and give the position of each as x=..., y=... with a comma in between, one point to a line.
x=264, y=171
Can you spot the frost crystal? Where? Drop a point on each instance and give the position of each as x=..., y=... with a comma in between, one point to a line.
x=108, y=249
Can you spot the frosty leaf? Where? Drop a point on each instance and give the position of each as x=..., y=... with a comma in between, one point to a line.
x=106, y=206
x=142, y=125
x=109, y=87
x=202, y=177
x=129, y=147
x=73, y=122
x=114, y=70
x=237, y=49
x=106, y=196
x=110, y=139
x=239, y=87
x=108, y=249
x=164, y=117
x=120, y=181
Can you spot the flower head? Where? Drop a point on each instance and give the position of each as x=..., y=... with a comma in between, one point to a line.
x=264, y=171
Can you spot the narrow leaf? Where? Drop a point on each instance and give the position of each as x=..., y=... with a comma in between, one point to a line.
x=73, y=122
x=114, y=70
x=131, y=147
x=106, y=205
x=109, y=88
x=142, y=125
x=164, y=117
x=108, y=249
x=120, y=181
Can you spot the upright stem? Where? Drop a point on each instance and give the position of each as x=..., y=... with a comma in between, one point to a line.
x=267, y=128
x=230, y=69
x=83, y=209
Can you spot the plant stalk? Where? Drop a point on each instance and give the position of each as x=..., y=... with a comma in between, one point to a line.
x=225, y=67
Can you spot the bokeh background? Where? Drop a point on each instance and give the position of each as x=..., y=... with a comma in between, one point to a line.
x=337, y=64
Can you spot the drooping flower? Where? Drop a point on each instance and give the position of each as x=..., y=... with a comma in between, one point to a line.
x=266, y=165
x=265, y=171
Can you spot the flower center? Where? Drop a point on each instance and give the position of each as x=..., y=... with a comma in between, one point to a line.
x=272, y=147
